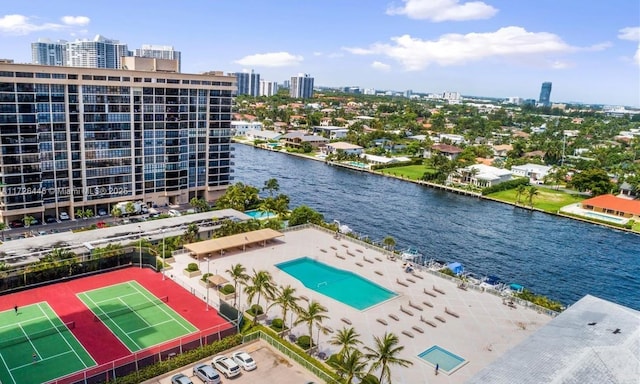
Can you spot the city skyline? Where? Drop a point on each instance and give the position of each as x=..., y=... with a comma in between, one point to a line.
x=589, y=51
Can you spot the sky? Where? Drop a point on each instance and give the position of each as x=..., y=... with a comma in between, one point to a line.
x=589, y=50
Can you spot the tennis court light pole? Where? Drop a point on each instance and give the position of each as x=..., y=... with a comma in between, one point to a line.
x=207, y=304
x=140, y=246
x=163, y=273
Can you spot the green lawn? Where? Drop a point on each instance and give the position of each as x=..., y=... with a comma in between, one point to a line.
x=547, y=200
x=413, y=172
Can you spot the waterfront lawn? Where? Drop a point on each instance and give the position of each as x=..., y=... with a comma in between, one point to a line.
x=412, y=172
x=548, y=200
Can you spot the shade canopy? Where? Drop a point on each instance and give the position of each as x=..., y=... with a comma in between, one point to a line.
x=217, y=280
x=216, y=246
x=455, y=268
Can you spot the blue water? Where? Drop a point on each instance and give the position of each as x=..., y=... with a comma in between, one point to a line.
x=257, y=214
x=445, y=360
x=343, y=286
x=561, y=258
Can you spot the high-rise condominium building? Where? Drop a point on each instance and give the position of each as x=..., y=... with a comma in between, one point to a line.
x=268, y=88
x=248, y=83
x=545, y=94
x=301, y=86
x=80, y=138
x=159, y=52
x=47, y=52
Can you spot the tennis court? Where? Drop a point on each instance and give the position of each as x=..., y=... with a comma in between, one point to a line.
x=37, y=329
x=135, y=316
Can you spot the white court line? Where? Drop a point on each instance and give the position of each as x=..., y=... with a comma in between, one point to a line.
x=114, y=323
x=107, y=286
x=134, y=312
x=112, y=298
x=151, y=326
x=48, y=358
x=8, y=370
x=61, y=335
x=30, y=342
x=168, y=314
x=26, y=321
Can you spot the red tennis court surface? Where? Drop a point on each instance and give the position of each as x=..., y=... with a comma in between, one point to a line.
x=103, y=346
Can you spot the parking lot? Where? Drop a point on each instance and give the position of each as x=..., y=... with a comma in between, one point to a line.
x=273, y=367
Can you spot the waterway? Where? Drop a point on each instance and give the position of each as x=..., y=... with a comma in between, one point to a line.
x=557, y=257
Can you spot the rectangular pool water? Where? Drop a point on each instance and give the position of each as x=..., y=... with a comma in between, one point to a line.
x=447, y=361
x=258, y=214
x=343, y=286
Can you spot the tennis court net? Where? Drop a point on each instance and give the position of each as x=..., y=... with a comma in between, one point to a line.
x=37, y=335
x=126, y=309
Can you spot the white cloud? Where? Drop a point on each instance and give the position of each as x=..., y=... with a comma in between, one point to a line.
x=444, y=10
x=75, y=20
x=317, y=53
x=380, y=66
x=272, y=59
x=455, y=49
x=632, y=34
x=23, y=25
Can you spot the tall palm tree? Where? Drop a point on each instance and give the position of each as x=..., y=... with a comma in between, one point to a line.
x=389, y=243
x=314, y=313
x=385, y=354
x=347, y=339
x=531, y=193
x=520, y=190
x=272, y=186
x=260, y=284
x=350, y=365
x=286, y=299
x=238, y=274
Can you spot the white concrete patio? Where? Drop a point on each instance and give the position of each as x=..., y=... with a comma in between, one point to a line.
x=484, y=330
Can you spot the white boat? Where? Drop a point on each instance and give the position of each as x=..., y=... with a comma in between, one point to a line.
x=411, y=254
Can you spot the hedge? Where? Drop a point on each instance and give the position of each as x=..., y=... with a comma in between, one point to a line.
x=192, y=267
x=227, y=289
x=511, y=184
x=181, y=360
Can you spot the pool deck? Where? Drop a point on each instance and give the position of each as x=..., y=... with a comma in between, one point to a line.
x=477, y=326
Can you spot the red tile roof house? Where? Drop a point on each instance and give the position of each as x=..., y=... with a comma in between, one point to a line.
x=613, y=205
x=448, y=151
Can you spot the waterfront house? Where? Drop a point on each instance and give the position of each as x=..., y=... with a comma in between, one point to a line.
x=480, y=175
x=240, y=128
x=263, y=135
x=535, y=172
x=377, y=160
x=627, y=190
x=613, y=205
x=295, y=139
x=330, y=132
x=341, y=146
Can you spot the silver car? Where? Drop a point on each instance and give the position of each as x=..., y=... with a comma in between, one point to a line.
x=180, y=379
x=207, y=374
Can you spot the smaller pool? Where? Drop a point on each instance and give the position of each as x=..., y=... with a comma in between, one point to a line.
x=357, y=164
x=258, y=214
x=447, y=362
x=604, y=217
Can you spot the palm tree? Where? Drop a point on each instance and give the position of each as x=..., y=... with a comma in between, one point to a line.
x=385, y=353
x=3, y=226
x=389, y=243
x=350, y=365
x=520, y=190
x=272, y=186
x=28, y=220
x=287, y=301
x=238, y=274
x=261, y=284
x=314, y=313
x=191, y=233
x=116, y=212
x=531, y=193
x=347, y=339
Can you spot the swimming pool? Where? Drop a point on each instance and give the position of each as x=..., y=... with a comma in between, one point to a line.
x=343, y=286
x=604, y=217
x=447, y=362
x=258, y=214
x=357, y=164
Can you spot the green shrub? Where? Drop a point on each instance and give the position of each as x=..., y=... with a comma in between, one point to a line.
x=206, y=276
x=255, y=310
x=227, y=289
x=192, y=267
x=181, y=360
x=277, y=325
x=511, y=184
x=540, y=300
x=629, y=224
x=304, y=342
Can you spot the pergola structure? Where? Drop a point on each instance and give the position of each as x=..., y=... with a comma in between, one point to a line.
x=209, y=248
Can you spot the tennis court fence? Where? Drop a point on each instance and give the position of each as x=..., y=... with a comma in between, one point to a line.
x=118, y=368
x=58, y=329
x=102, y=316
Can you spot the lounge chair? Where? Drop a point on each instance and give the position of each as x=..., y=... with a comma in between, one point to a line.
x=402, y=283
x=346, y=321
x=450, y=312
x=428, y=304
x=417, y=329
x=406, y=311
x=428, y=292
x=415, y=306
x=440, y=319
x=305, y=298
x=382, y=321
x=440, y=291
x=378, y=273
x=407, y=333
x=394, y=317
x=428, y=322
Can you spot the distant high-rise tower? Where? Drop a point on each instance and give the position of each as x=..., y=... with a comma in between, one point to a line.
x=159, y=52
x=248, y=83
x=301, y=86
x=268, y=88
x=97, y=53
x=46, y=52
x=545, y=94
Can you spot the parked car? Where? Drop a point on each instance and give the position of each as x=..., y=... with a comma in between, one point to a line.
x=64, y=216
x=16, y=224
x=244, y=360
x=174, y=213
x=181, y=379
x=207, y=374
x=102, y=212
x=226, y=366
x=50, y=219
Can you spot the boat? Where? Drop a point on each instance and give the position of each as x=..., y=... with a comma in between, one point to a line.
x=491, y=282
x=411, y=254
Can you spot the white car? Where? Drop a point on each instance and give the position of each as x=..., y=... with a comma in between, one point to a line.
x=207, y=374
x=244, y=360
x=226, y=366
x=174, y=213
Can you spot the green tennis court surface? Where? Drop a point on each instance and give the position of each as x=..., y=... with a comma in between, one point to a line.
x=138, y=318
x=37, y=329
